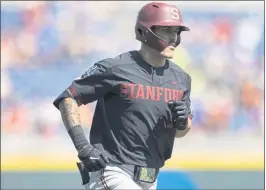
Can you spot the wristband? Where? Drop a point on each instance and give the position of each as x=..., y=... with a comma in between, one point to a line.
x=78, y=137
x=180, y=125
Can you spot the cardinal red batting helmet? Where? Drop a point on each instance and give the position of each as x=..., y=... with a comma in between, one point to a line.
x=157, y=14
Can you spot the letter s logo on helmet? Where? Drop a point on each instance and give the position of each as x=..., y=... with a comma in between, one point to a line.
x=157, y=14
x=175, y=13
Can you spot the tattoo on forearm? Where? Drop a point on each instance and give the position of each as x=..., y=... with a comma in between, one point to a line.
x=69, y=113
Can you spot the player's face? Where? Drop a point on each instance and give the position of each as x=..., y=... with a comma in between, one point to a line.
x=170, y=34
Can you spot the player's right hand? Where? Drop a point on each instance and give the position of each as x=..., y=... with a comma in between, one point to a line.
x=92, y=158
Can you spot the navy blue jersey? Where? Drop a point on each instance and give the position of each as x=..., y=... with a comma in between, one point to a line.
x=131, y=120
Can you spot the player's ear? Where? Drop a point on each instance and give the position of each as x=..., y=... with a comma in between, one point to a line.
x=140, y=32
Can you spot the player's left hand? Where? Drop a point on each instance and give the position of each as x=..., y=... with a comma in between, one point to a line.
x=180, y=114
x=92, y=159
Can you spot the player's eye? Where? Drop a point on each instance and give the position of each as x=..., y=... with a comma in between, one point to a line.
x=171, y=30
x=166, y=29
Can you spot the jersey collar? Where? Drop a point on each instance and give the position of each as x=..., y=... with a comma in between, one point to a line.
x=140, y=61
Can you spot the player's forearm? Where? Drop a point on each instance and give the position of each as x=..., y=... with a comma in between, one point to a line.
x=71, y=119
x=69, y=113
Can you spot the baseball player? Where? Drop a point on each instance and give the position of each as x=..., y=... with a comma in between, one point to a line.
x=143, y=103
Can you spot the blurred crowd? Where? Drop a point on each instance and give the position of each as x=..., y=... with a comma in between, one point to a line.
x=45, y=45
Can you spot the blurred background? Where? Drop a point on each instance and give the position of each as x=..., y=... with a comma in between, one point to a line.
x=45, y=45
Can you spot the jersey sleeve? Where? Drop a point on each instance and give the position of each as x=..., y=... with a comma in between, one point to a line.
x=93, y=84
x=186, y=97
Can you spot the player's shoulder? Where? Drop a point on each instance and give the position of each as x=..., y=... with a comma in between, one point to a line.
x=111, y=62
x=175, y=68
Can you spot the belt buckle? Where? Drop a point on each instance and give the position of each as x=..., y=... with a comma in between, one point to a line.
x=144, y=174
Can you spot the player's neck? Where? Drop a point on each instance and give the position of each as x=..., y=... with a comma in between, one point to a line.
x=152, y=56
